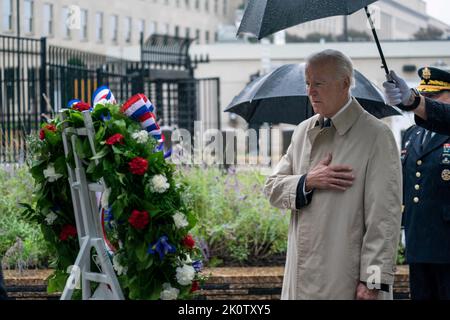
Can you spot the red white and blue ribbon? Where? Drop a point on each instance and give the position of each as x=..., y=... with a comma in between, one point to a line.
x=138, y=108
x=72, y=102
x=103, y=95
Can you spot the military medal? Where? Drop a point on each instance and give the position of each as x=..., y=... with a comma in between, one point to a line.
x=445, y=175
x=446, y=148
x=445, y=157
x=403, y=154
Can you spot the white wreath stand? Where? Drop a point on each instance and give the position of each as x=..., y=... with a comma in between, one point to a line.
x=88, y=224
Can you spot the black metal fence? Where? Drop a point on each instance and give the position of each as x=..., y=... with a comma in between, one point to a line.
x=20, y=86
x=37, y=79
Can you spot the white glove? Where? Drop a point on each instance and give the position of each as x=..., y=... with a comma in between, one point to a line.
x=398, y=91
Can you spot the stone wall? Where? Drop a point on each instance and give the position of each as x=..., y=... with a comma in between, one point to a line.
x=258, y=283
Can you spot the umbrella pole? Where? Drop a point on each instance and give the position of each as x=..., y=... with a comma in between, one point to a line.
x=374, y=32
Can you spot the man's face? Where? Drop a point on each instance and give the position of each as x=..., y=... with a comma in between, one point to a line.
x=443, y=97
x=327, y=91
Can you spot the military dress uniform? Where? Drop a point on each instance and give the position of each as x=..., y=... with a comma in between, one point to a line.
x=434, y=80
x=425, y=158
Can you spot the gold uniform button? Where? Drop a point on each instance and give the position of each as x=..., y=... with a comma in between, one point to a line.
x=418, y=174
x=416, y=200
x=417, y=187
x=419, y=162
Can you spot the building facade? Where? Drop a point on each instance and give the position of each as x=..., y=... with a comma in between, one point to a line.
x=394, y=20
x=106, y=26
x=236, y=63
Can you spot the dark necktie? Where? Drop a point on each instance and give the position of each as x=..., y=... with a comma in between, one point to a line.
x=427, y=139
x=326, y=123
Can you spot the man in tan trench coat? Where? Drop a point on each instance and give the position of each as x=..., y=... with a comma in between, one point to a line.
x=341, y=176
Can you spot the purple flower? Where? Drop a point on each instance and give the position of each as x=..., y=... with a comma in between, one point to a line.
x=203, y=246
x=162, y=247
x=197, y=265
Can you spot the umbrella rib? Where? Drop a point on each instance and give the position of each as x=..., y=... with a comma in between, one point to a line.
x=262, y=18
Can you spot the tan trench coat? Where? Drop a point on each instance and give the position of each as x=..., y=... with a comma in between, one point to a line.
x=335, y=239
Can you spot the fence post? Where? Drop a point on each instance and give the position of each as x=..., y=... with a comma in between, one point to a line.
x=43, y=74
x=99, y=77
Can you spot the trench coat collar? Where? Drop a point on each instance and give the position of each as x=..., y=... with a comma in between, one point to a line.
x=345, y=119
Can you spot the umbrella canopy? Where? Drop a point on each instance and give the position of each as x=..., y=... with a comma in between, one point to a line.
x=264, y=17
x=280, y=97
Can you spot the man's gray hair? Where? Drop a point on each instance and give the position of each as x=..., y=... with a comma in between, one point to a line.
x=344, y=65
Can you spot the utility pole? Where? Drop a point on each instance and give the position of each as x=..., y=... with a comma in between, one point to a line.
x=18, y=17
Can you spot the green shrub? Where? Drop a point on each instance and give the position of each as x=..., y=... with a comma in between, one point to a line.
x=21, y=243
x=236, y=223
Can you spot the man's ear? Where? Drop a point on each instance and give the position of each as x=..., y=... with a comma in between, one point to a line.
x=347, y=83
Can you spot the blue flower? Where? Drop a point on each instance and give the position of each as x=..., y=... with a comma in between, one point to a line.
x=162, y=247
x=197, y=265
x=108, y=217
x=105, y=116
x=168, y=153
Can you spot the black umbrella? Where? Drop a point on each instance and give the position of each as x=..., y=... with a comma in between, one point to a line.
x=280, y=97
x=264, y=17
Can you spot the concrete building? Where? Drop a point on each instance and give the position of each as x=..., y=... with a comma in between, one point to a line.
x=236, y=63
x=394, y=20
x=109, y=26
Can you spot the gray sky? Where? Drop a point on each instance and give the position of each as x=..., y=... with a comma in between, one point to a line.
x=439, y=9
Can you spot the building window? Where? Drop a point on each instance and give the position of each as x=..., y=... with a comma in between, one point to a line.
x=206, y=37
x=127, y=29
x=99, y=26
x=186, y=2
x=207, y=5
x=84, y=25
x=177, y=3
x=216, y=6
x=197, y=4
x=188, y=33
x=151, y=28
x=28, y=16
x=216, y=36
x=7, y=15
x=197, y=36
x=65, y=23
x=48, y=19
x=141, y=28
x=165, y=29
x=225, y=7
x=177, y=31
x=114, y=28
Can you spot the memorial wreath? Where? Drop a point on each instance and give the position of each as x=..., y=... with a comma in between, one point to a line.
x=145, y=211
